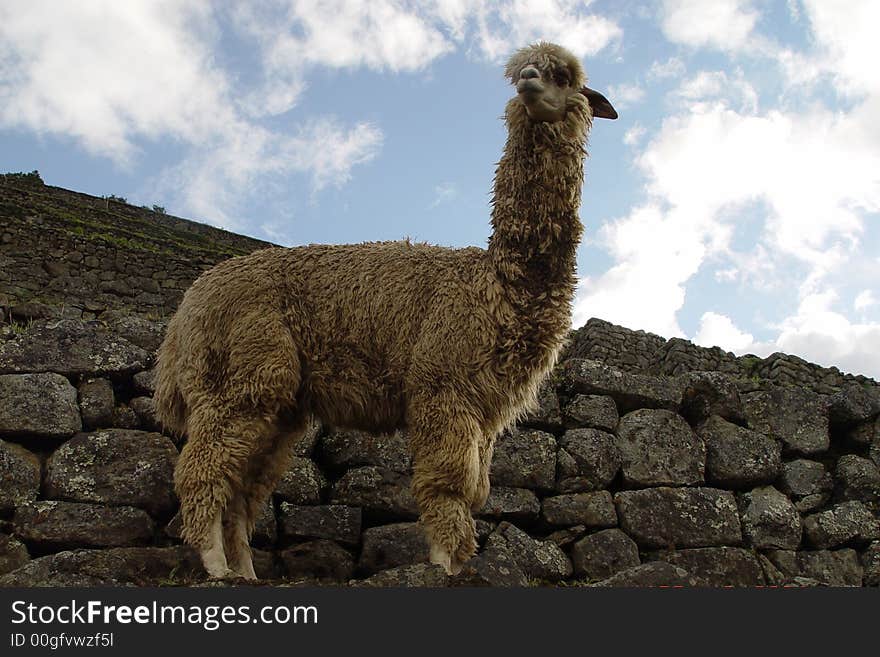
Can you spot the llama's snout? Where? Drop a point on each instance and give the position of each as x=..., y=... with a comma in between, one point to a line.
x=529, y=73
x=529, y=81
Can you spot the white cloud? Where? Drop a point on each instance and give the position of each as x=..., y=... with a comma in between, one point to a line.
x=645, y=289
x=815, y=332
x=716, y=157
x=708, y=86
x=864, y=299
x=713, y=160
x=672, y=68
x=634, y=135
x=105, y=73
x=717, y=330
x=443, y=193
x=632, y=295
x=277, y=95
x=844, y=52
x=757, y=269
x=109, y=74
x=276, y=232
x=328, y=151
x=407, y=36
x=771, y=198
x=820, y=334
x=503, y=26
x=723, y=24
x=113, y=75
x=846, y=29
x=379, y=35
x=727, y=275
x=626, y=95
x=212, y=182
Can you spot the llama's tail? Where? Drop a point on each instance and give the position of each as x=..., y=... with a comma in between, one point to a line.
x=171, y=410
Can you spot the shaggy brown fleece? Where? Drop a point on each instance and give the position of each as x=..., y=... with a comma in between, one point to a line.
x=449, y=344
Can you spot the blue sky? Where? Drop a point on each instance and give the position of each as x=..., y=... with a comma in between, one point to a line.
x=735, y=202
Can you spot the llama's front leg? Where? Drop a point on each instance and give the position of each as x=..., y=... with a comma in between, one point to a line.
x=446, y=474
x=449, y=527
x=486, y=449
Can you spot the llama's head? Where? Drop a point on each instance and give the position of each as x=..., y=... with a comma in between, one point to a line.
x=547, y=77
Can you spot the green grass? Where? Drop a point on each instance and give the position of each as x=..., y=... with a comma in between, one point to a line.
x=20, y=328
x=20, y=177
x=171, y=579
x=750, y=363
x=138, y=235
x=115, y=224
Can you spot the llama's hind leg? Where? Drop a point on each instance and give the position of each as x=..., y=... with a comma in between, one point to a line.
x=237, y=532
x=270, y=467
x=239, y=518
x=446, y=474
x=211, y=550
x=209, y=473
x=264, y=471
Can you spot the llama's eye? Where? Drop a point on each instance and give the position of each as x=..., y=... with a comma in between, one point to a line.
x=562, y=78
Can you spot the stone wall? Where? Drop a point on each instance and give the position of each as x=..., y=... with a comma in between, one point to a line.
x=621, y=478
x=642, y=352
x=73, y=255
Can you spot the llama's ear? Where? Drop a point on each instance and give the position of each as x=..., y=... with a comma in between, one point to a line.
x=600, y=105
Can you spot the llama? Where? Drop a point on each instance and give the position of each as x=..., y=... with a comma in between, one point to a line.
x=449, y=344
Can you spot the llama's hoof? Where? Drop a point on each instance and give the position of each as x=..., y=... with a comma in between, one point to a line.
x=442, y=558
x=251, y=576
x=224, y=573
x=244, y=570
x=455, y=567
x=451, y=566
x=452, y=563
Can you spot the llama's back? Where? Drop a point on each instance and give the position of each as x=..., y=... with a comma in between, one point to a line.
x=376, y=294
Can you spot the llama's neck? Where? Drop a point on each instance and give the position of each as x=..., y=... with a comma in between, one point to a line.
x=535, y=221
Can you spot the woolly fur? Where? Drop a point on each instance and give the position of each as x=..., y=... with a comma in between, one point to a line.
x=448, y=344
